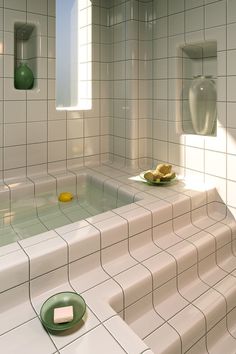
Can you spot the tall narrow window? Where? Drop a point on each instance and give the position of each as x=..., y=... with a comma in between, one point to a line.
x=73, y=55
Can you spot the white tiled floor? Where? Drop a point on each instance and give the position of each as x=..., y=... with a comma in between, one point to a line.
x=157, y=276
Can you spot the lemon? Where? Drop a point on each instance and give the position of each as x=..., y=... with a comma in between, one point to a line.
x=65, y=197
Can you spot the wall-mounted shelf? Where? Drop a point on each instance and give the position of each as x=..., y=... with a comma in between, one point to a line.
x=25, y=56
x=198, y=85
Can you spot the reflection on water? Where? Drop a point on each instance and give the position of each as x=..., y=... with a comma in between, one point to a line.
x=33, y=216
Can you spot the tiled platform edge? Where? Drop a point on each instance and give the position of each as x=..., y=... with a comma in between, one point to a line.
x=158, y=275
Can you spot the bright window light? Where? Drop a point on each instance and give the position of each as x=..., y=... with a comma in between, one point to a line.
x=73, y=55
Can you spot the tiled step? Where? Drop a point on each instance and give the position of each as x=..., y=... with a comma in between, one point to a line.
x=187, y=302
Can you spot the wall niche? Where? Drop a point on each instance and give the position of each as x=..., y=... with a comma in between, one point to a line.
x=198, y=97
x=25, y=56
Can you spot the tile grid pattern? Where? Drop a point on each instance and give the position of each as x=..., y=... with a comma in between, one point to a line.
x=82, y=137
x=35, y=138
x=101, y=234
x=196, y=155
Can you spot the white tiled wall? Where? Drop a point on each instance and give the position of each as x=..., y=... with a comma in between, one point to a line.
x=209, y=158
x=135, y=91
x=34, y=137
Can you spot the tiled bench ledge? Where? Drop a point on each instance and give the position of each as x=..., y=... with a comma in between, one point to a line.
x=121, y=261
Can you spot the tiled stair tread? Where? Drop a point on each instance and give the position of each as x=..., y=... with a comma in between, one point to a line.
x=164, y=340
x=209, y=307
x=176, y=295
x=220, y=339
x=142, y=317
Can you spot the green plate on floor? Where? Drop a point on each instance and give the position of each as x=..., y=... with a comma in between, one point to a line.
x=60, y=300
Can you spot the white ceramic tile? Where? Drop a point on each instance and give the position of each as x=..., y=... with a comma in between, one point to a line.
x=210, y=167
x=36, y=111
x=37, y=239
x=219, y=339
x=53, y=113
x=51, y=7
x=199, y=347
x=226, y=288
x=36, y=153
x=116, y=258
x=125, y=336
x=136, y=282
x=39, y=92
x=46, y=285
x=231, y=11
x=56, y=130
x=193, y=3
x=15, y=307
x=195, y=159
x=164, y=237
x=82, y=242
x=15, y=134
x=190, y=324
x=142, y=246
x=87, y=272
x=16, y=4
x=75, y=148
x=230, y=193
x=14, y=112
x=180, y=204
x=209, y=272
x=231, y=322
x=231, y=146
x=217, y=143
x=200, y=218
x=74, y=128
x=221, y=233
x=208, y=303
x=190, y=285
x=36, y=132
x=25, y=337
x=142, y=317
x=185, y=255
x=11, y=17
x=46, y=256
x=139, y=220
x=215, y=14
x=102, y=297
x=37, y=7
x=112, y=230
x=94, y=342
x=14, y=269
x=164, y=339
x=160, y=8
x=56, y=151
x=176, y=24
x=10, y=93
x=231, y=84
x=168, y=301
x=162, y=267
x=194, y=19
x=174, y=7
x=204, y=242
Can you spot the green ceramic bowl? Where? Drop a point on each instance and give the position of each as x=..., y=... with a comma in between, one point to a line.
x=60, y=300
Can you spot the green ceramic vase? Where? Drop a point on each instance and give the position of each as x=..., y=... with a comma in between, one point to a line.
x=24, y=78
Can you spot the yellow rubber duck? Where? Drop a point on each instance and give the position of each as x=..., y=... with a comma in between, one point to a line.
x=65, y=197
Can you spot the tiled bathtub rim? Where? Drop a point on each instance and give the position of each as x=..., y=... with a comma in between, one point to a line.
x=114, y=211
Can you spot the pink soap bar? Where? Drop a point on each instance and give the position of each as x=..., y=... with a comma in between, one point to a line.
x=63, y=314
